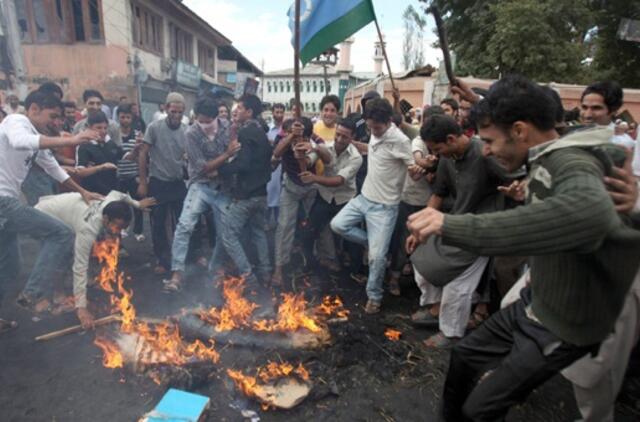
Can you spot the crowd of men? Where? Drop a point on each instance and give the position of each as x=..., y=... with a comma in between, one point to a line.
x=490, y=196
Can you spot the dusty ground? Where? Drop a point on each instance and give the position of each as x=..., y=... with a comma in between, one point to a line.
x=362, y=377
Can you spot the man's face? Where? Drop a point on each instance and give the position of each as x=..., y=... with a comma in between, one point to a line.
x=464, y=111
x=93, y=104
x=278, y=115
x=101, y=128
x=377, y=129
x=125, y=120
x=444, y=149
x=243, y=113
x=329, y=114
x=205, y=120
x=223, y=112
x=135, y=110
x=46, y=120
x=448, y=110
x=593, y=110
x=343, y=137
x=175, y=111
x=13, y=100
x=509, y=152
x=70, y=114
x=114, y=227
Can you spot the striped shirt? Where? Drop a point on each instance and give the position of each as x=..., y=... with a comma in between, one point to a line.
x=128, y=169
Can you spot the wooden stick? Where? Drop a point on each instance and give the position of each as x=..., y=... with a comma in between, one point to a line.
x=384, y=53
x=78, y=328
x=296, y=61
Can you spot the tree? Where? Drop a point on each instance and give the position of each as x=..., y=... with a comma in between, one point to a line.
x=413, y=41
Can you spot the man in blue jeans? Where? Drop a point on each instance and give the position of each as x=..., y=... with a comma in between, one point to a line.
x=388, y=160
x=22, y=145
x=208, y=146
x=251, y=171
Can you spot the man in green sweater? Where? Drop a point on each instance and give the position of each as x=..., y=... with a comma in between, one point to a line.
x=583, y=256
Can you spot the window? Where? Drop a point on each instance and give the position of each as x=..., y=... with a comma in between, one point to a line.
x=321, y=86
x=288, y=86
x=328, y=86
x=181, y=44
x=281, y=86
x=315, y=87
x=206, y=58
x=268, y=86
x=308, y=87
x=59, y=21
x=313, y=107
x=147, y=29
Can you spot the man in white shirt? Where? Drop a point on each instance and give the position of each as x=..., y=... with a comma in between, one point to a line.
x=89, y=221
x=21, y=145
x=388, y=159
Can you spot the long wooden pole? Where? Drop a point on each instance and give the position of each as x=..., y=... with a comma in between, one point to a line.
x=78, y=328
x=384, y=53
x=296, y=62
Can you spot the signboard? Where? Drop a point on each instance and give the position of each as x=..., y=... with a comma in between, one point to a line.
x=187, y=74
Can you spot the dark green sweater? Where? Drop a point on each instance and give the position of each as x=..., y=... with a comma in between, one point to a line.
x=583, y=257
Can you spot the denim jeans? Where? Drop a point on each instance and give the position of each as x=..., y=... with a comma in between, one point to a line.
x=380, y=220
x=199, y=197
x=38, y=184
x=55, y=254
x=247, y=214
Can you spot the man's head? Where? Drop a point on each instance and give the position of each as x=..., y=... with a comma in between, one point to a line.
x=51, y=88
x=92, y=100
x=329, y=108
x=175, y=109
x=122, y=100
x=378, y=115
x=345, y=131
x=249, y=107
x=223, y=111
x=295, y=107
x=600, y=102
x=450, y=107
x=368, y=96
x=69, y=111
x=125, y=115
x=206, y=109
x=98, y=121
x=443, y=135
x=135, y=109
x=515, y=115
x=307, y=126
x=44, y=111
x=277, y=110
x=116, y=217
x=13, y=100
x=464, y=112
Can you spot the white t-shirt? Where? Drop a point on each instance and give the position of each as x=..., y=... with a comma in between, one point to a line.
x=388, y=159
x=624, y=140
x=417, y=192
x=635, y=165
x=19, y=149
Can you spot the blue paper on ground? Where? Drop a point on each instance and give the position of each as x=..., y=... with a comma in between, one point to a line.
x=178, y=406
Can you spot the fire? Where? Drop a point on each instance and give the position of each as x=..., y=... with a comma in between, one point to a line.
x=112, y=358
x=107, y=254
x=274, y=370
x=393, y=335
x=292, y=315
x=332, y=306
x=236, y=311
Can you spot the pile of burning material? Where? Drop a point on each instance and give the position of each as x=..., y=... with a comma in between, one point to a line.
x=276, y=385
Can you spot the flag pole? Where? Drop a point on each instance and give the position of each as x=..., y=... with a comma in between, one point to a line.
x=296, y=63
x=384, y=53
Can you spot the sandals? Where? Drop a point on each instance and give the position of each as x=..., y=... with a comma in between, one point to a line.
x=359, y=278
x=476, y=319
x=171, y=286
x=7, y=325
x=35, y=306
x=159, y=270
x=440, y=341
x=63, y=305
x=425, y=319
x=372, y=307
x=394, y=287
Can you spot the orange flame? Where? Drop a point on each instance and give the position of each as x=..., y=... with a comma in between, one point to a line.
x=237, y=310
x=107, y=253
x=112, y=358
x=292, y=315
x=332, y=307
x=393, y=335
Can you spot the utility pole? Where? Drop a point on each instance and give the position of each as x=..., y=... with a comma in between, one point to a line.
x=15, y=71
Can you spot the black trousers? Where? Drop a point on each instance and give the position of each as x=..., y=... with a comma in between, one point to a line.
x=399, y=256
x=130, y=186
x=500, y=363
x=164, y=216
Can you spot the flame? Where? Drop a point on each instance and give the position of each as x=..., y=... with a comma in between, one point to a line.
x=112, y=358
x=332, y=307
x=292, y=315
x=107, y=253
x=393, y=335
x=236, y=311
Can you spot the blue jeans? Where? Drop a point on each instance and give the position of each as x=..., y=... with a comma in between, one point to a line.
x=380, y=220
x=199, y=197
x=55, y=254
x=251, y=214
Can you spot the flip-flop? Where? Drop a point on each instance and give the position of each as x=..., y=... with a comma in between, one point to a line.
x=7, y=325
x=171, y=286
x=476, y=319
x=37, y=307
x=394, y=287
x=440, y=341
x=425, y=319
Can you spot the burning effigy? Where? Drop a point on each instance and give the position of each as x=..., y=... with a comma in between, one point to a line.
x=168, y=348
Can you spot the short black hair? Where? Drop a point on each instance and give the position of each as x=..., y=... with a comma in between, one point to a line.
x=97, y=117
x=556, y=102
x=207, y=106
x=306, y=122
x=68, y=104
x=278, y=105
x=435, y=110
x=438, y=127
x=379, y=110
x=125, y=109
x=397, y=119
x=51, y=88
x=43, y=100
x=252, y=103
x=88, y=93
x=511, y=99
x=118, y=210
x=451, y=102
x=330, y=99
x=611, y=91
x=348, y=123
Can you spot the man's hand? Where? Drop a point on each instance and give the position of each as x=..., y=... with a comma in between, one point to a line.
x=425, y=223
x=85, y=136
x=233, y=147
x=410, y=244
x=107, y=166
x=515, y=191
x=395, y=93
x=623, y=187
x=301, y=149
x=143, y=189
x=307, y=177
x=85, y=317
x=90, y=196
x=464, y=91
x=297, y=129
x=70, y=170
x=145, y=203
x=416, y=171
